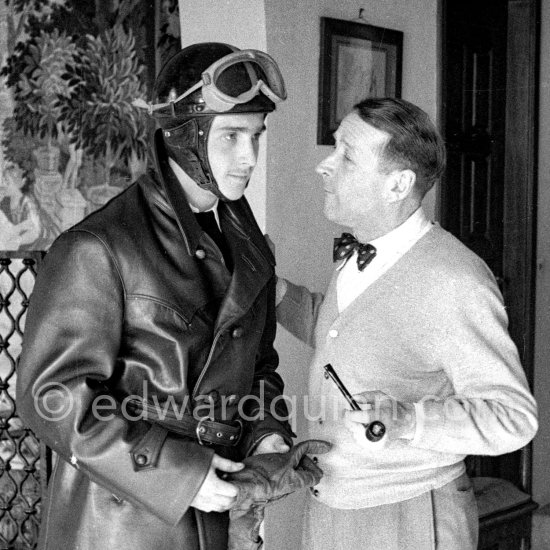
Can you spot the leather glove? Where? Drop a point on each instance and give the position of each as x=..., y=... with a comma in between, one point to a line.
x=266, y=478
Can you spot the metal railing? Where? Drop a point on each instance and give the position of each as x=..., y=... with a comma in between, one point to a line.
x=24, y=461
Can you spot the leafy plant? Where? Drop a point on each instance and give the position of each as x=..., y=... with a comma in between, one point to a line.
x=41, y=86
x=18, y=148
x=99, y=114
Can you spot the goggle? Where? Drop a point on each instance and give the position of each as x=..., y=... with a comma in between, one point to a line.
x=222, y=102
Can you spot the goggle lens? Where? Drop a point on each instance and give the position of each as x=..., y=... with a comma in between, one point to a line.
x=221, y=101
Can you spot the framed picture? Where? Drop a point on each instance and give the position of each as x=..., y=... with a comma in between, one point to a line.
x=357, y=61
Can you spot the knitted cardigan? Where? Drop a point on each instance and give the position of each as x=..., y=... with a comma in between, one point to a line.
x=431, y=331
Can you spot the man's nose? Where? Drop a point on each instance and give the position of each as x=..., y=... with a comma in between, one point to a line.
x=248, y=152
x=324, y=168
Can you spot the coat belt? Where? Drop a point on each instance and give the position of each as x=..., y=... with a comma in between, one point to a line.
x=204, y=430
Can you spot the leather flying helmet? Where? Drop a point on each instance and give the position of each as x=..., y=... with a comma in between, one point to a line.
x=201, y=82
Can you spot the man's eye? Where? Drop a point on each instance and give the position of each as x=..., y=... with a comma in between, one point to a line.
x=231, y=136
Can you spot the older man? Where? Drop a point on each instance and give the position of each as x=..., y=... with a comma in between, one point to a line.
x=414, y=324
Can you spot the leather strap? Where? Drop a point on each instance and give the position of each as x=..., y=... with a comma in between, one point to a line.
x=146, y=453
x=203, y=430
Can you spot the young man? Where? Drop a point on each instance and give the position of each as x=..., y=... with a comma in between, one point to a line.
x=414, y=324
x=148, y=363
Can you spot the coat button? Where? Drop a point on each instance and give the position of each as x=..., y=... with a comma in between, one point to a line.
x=333, y=333
x=141, y=460
x=200, y=254
x=237, y=332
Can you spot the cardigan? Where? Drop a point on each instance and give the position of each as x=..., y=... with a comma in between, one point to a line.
x=431, y=331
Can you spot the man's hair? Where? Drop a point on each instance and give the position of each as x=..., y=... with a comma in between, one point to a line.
x=414, y=143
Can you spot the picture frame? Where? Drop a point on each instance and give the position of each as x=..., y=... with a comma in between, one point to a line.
x=356, y=61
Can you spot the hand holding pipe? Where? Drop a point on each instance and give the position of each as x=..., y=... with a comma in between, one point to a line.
x=375, y=430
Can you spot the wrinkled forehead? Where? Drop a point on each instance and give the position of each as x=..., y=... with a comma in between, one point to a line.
x=360, y=135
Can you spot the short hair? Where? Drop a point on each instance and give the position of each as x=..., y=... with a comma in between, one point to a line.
x=414, y=143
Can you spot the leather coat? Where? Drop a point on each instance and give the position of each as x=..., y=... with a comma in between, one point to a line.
x=136, y=300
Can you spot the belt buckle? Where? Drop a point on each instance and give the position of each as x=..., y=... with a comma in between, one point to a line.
x=200, y=429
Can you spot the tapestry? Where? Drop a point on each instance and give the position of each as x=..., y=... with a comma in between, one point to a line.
x=70, y=138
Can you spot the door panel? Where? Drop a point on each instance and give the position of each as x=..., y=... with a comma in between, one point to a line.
x=488, y=192
x=474, y=101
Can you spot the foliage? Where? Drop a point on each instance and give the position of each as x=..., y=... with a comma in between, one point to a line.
x=99, y=114
x=18, y=148
x=169, y=42
x=73, y=70
x=41, y=86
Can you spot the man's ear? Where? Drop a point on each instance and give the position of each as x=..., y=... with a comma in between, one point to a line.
x=401, y=185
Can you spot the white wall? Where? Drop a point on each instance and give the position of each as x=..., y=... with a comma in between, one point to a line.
x=294, y=197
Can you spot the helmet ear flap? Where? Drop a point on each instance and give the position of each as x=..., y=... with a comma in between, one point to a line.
x=187, y=145
x=183, y=146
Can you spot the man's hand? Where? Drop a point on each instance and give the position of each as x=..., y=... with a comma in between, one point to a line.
x=269, y=477
x=273, y=443
x=398, y=418
x=216, y=495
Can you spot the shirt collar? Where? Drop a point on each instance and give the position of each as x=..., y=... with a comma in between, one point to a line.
x=403, y=234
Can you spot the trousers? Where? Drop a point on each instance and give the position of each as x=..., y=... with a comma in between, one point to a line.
x=440, y=519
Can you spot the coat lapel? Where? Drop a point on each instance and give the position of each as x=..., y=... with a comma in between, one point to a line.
x=253, y=262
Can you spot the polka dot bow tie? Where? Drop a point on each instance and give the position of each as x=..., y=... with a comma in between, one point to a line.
x=345, y=246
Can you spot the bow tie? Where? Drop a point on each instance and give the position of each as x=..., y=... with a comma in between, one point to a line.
x=345, y=246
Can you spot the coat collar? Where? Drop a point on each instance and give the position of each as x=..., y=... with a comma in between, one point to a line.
x=238, y=213
x=253, y=261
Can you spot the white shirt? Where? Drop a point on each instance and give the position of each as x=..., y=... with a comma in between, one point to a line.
x=389, y=249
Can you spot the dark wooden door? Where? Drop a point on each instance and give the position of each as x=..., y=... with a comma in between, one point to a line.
x=488, y=193
x=475, y=101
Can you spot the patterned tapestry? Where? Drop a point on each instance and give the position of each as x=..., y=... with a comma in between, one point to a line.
x=70, y=138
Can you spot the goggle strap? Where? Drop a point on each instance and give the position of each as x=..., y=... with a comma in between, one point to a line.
x=152, y=107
